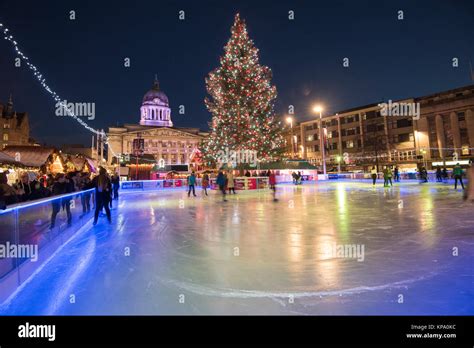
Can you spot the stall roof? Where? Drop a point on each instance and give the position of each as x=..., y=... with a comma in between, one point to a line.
x=31, y=156
x=8, y=160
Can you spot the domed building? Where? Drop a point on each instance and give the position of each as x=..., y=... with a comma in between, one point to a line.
x=155, y=110
x=155, y=142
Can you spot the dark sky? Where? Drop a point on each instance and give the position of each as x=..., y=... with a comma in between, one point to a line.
x=82, y=60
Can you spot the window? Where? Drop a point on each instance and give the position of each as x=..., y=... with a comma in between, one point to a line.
x=6, y=125
x=406, y=122
x=5, y=137
x=351, y=131
x=403, y=137
x=461, y=116
x=411, y=137
x=349, y=144
x=370, y=114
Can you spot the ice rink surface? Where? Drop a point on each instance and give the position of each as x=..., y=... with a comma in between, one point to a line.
x=166, y=253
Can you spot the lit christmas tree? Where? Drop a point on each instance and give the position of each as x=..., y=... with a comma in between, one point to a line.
x=241, y=102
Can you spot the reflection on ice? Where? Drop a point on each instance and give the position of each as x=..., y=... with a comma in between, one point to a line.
x=250, y=255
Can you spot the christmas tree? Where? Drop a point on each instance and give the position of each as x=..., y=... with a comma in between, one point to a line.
x=241, y=102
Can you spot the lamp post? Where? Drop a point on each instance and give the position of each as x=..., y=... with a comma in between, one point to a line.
x=319, y=109
x=289, y=120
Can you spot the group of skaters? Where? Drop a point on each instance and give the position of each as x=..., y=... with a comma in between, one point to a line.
x=225, y=181
x=389, y=172
x=442, y=175
x=32, y=187
x=297, y=178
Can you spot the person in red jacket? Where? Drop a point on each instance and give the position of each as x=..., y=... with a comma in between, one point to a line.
x=272, y=182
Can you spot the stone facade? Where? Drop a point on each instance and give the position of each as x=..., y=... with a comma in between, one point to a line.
x=172, y=145
x=14, y=125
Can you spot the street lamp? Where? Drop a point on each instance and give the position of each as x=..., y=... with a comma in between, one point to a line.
x=289, y=120
x=319, y=109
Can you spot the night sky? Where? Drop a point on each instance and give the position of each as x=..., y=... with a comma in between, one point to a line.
x=82, y=60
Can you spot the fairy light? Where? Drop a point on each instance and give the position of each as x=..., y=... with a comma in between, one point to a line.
x=54, y=95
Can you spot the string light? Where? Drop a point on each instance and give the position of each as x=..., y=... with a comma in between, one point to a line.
x=54, y=95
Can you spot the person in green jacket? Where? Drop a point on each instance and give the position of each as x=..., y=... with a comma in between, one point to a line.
x=457, y=173
x=387, y=176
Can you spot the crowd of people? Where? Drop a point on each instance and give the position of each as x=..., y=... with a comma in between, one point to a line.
x=225, y=182
x=32, y=187
x=441, y=174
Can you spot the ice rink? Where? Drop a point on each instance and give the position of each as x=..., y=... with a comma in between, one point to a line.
x=166, y=253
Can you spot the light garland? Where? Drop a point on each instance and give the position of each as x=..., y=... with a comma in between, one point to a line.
x=54, y=95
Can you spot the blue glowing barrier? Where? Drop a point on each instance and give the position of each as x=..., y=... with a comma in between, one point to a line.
x=31, y=232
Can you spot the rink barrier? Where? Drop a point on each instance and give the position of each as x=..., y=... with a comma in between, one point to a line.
x=25, y=230
x=240, y=183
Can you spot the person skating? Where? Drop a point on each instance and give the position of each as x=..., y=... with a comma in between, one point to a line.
x=439, y=174
x=115, y=186
x=469, y=192
x=423, y=173
x=272, y=183
x=205, y=183
x=230, y=182
x=385, y=176
x=445, y=175
x=102, y=194
x=457, y=174
x=191, y=184
x=396, y=174
x=373, y=174
x=220, y=181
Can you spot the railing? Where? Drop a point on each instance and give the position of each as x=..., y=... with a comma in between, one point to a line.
x=30, y=232
x=241, y=183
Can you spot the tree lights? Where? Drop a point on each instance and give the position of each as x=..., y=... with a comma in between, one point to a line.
x=241, y=101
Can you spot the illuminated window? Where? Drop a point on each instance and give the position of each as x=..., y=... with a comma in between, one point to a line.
x=5, y=137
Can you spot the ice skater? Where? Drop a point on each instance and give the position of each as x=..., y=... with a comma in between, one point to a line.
x=469, y=192
x=230, y=182
x=205, y=183
x=272, y=183
x=439, y=174
x=457, y=173
x=191, y=184
x=445, y=175
x=220, y=181
x=373, y=173
x=423, y=175
x=387, y=176
x=396, y=174
x=102, y=194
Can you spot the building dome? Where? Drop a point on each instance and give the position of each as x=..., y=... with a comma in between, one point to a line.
x=155, y=110
x=155, y=96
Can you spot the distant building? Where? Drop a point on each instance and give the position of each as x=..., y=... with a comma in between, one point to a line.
x=442, y=133
x=155, y=138
x=292, y=141
x=14, y=125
